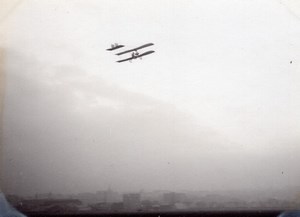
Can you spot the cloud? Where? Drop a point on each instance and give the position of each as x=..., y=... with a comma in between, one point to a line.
x=60, y=121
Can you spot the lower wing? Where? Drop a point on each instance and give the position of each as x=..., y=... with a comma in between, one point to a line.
x=131, y=58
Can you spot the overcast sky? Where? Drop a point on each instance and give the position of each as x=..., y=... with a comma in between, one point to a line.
x=217, y=106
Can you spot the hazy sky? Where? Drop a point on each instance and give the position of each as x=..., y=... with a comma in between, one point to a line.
x=217, y=106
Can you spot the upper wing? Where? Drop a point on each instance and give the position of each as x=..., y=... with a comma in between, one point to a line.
x=114, y=48
x=135, y=49
x=131, y=58
x=146, y=53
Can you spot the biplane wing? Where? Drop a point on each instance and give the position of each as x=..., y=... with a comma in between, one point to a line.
x=146, y=53
x=115, y=48
x=135, y=49
x=135, y=57
x=128, y=59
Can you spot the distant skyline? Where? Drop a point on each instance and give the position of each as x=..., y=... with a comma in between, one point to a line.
x=291, y=193
x=109, y=201
x=216, y=107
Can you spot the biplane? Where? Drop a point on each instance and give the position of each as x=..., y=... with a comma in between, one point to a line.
x=115, y=46
x=135, y=54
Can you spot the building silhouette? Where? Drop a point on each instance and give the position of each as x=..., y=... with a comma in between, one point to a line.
x=131, y=202
x=173, y=197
